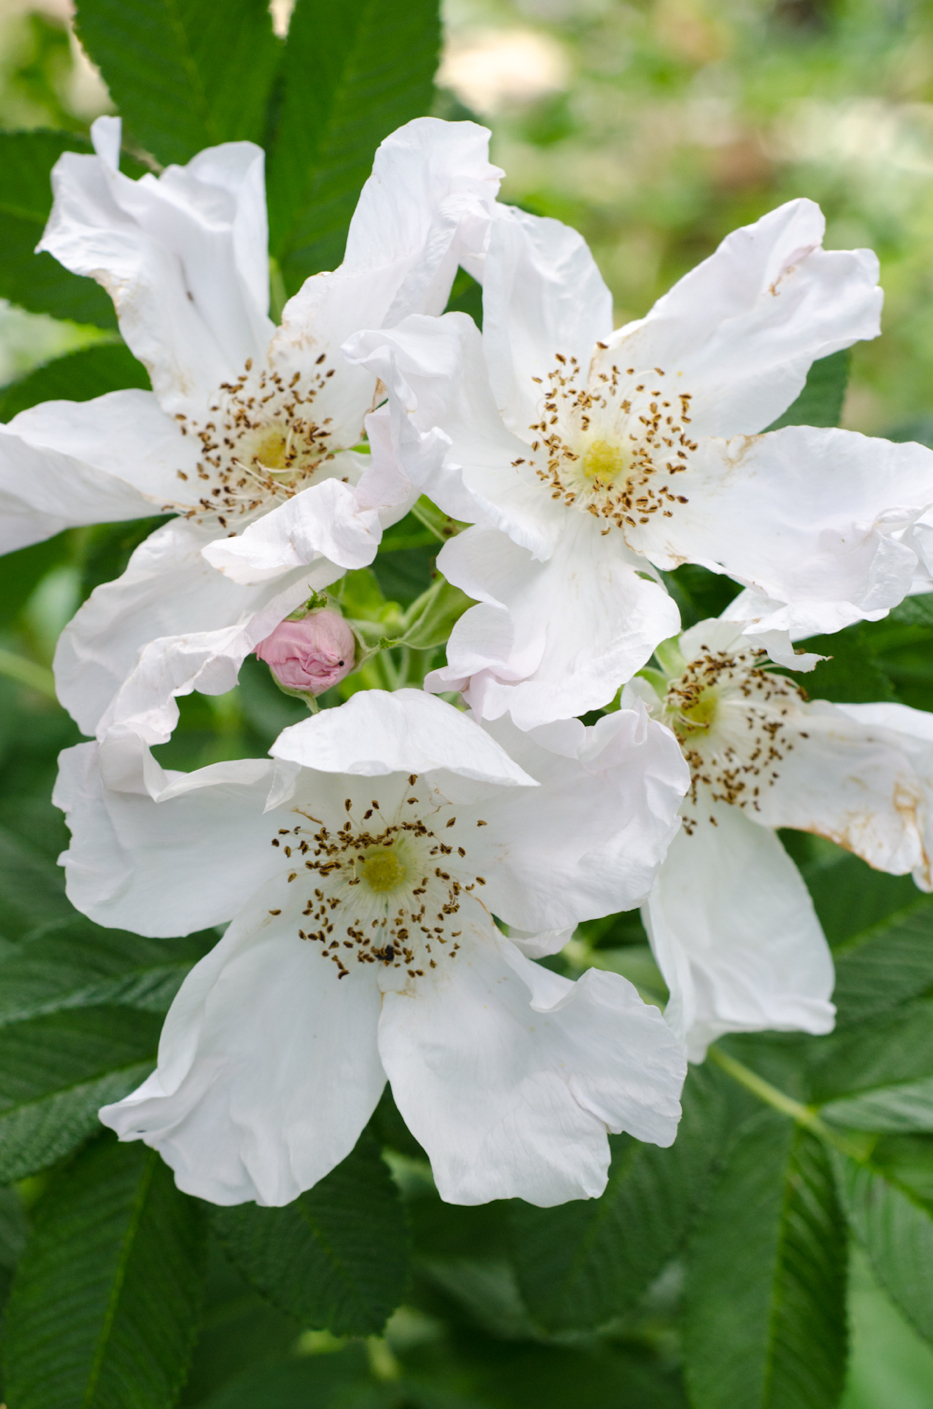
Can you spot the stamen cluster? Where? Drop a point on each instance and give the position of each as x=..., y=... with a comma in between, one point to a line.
x=731, y=718
x=386, y=895
x=263, y=445
x=612, y=445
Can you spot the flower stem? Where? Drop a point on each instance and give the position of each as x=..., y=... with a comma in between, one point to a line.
x=780, y=1101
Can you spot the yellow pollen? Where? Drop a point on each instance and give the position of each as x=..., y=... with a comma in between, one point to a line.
x=272, y=450
x=604, y=461
x=697, y=718
x=382, y=870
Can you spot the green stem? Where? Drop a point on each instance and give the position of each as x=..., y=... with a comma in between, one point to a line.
x=27, y=672
x=780, y=1101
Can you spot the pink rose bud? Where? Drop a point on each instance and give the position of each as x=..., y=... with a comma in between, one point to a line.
x=310, y=655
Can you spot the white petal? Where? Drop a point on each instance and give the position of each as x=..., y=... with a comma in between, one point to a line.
x=852, y=777
x=330, y=519
x=67, y=463
x=543, y=296
x=805, y=516
x=448, y=434
x=735, y=934
x=184, y=257
x=268, y=1069
x=168, y=867
x=167, y=590
x=742, y=329
x=510, y=1076
x=589, y=840
x=425, y=207
x=549, y=639
x=206, y=661
x=406, y=731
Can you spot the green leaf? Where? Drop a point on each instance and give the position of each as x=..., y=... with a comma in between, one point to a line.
x=822, y=399
x=905, y=1105
x=889, y=1050
x=39, y=282
x=311, y=1382
x=80, y=376
x=32, y=889
x=75, y=963
x=764, y=1315
x=13, y=1228
x=104, y=1307
x=886, y=965
x=373, y=65
x=583, y=1263
x=185, y=74
x=336, y=1258
x=895, y=1227
x=852, y=898
x=850, y=673
x=56, y=1071
x=431, y=618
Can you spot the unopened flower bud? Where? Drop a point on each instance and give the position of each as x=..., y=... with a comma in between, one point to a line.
x=310, y=655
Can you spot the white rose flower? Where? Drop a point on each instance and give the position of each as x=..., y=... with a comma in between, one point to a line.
x=587, y=458
x=245, y=419
x=731, y=922
x=361, y=869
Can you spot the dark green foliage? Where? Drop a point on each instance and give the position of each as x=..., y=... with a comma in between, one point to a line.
x=38, y=282
x=351, y=74
x=104, y=1306
x=74, y=963
x=80, y=376
x=31, y=887
x=186, y=74
x=583, y=1263
x=764, y=1319
x=895, y=1227
x=821, y=401
x=338, y=1256
x=57, y=1070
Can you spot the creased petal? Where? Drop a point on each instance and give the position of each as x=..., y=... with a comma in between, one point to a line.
x=852, y=777
x=268, y=1068
x=589, y=840
x=735, y=934
x=404, y=731
x=742, y=329
x=807, y=517
x=543, y=296
x=510, y=1076
x=164, y=868
x=184, y=257
x=447, y=431
x=331, y=519
x=549, y=639
x=167, y=590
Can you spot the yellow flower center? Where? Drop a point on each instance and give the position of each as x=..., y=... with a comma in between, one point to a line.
x=696, y=718
x=272, y=451
x=604, y=461
x=382, y=870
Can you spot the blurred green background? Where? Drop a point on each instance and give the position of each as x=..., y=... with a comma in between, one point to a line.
x=654, y=127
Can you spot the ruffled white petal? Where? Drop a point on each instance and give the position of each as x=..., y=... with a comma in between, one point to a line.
x=510, y=1076
x=268, y=1068
x=549, y=639
x=332, y=519
x=735, y=935
x=167, y=591
x=742, y=329
x=404, y=731
x=810, y=518
x=589, y=840
x=158, y=852
x=543, y=298
x=184, y=257
x=863, y=777
x=448, y=433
